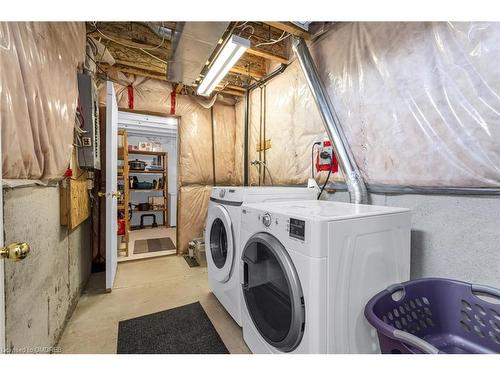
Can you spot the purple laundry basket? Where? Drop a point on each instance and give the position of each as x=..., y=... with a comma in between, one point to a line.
x=436, y=316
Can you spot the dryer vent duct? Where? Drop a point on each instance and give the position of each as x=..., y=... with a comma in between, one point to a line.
x=350, y=170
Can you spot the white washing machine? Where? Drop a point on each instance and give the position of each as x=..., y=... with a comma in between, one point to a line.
x=309, y=267
x=222, y=236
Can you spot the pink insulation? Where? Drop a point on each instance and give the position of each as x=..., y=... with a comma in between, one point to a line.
x=38, y=96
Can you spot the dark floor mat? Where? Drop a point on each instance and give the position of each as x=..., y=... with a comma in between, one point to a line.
x=153, y=244
x=192, y=262
x=182, y=330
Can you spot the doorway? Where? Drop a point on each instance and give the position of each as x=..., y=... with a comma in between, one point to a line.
x=147, y=172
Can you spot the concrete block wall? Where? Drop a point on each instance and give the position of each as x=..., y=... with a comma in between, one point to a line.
x=456, y=237
x=42, y=290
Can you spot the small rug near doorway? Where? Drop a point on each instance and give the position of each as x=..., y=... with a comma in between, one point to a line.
x=153, y=244
x=181, y=330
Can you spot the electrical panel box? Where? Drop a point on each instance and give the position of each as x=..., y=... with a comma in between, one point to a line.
x=88, y=144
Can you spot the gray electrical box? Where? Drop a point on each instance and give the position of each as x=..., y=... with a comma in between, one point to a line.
x=88, y=148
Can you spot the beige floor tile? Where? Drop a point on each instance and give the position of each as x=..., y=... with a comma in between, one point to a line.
x=143, y=287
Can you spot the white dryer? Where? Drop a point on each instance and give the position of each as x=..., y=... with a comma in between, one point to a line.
x=222, y=236
x=308, y=269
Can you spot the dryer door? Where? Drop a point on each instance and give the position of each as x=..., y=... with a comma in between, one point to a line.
x=272, y=292
x=221, y=244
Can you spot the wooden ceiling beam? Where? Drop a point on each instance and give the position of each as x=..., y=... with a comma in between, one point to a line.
x=243, y=71
x=266, y=55
x=290, y=28
x=130, y=70
x=120, y=39
x=148, y=68
x=233, y=92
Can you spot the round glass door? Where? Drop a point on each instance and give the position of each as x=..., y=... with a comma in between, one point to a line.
x=272, y=292
x=218, y=243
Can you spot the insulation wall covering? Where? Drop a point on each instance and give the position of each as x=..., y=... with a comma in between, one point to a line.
x=419, y=102
x=224, y=143
x=38, y=96
x=192, y=216
x=292, y=124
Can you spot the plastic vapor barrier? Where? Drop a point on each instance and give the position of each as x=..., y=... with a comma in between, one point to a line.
x=38, y=96
x=195, y=143
x=192, y=215
x=419, y=102
x=292, y=124
x=224, y=123
x=239, y=142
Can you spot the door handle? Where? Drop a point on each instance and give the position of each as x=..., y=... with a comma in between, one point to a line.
x=15, y=251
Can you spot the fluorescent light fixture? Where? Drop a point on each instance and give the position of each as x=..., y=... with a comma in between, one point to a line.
x=231, y=52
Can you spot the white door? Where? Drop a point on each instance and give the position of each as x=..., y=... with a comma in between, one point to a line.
x=111, y=185
x=2, y=278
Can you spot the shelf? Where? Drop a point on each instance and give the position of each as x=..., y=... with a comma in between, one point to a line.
x=158, y=210
x=155, y=153
x=145, y=190
x=146, y=172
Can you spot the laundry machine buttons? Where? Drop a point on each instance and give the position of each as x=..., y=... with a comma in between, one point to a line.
x=266, y=220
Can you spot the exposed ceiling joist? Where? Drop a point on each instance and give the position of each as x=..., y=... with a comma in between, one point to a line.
x=248, y=72
x=290, y=28
x=130, y=70
x=266, y=55
x=233, y=92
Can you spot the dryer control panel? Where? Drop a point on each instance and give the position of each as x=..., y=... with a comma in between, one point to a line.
x=297, y=229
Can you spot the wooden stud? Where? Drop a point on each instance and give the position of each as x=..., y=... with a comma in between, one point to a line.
x=244, y=71
x=266, y=55
x=290, y=28
x=130, y=70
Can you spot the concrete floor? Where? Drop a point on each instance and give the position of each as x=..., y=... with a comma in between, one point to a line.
x=143, y=287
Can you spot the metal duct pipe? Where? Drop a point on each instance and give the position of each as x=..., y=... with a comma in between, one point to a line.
x=162, y=32
x=354, y=180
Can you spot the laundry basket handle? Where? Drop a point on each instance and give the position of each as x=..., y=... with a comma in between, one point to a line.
x=488, y=290
x=415, y=341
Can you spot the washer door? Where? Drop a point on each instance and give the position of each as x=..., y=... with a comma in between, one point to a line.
x=272, y=292
x=221, y=243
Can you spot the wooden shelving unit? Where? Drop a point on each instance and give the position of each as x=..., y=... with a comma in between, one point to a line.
x=163, y=158
x=123, y=174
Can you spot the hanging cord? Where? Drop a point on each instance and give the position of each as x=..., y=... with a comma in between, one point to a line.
x=326, y=155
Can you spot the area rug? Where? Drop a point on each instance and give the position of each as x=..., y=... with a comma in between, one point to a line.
x=153, y=244
x=181, y=330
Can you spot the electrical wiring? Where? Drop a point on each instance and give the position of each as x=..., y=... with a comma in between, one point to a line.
x=274, y=41
x=125, y=44
x=327, y=178
x=312, y=157
x=142, y=49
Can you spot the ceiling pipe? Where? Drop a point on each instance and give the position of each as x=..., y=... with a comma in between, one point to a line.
x=350, y=170
x=160, y=31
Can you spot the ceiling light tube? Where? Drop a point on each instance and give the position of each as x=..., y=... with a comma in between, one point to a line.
x=230, y=54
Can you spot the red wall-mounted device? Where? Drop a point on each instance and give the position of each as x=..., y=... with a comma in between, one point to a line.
x=325, y=158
